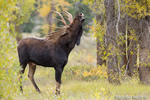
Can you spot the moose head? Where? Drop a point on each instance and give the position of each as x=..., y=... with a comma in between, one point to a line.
x=68, y=32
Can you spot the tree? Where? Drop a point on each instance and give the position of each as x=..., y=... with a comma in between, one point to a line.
x=112, y=61
x=8, y=56
x=98, y=28
x=138, y=23
x=100, y=41
x=144, y=54
x=105, y=32
x=23, y=14
x=46, y=8
x=127, y=24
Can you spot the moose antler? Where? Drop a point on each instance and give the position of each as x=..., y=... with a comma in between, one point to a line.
x=70, y=18
x=61, y=30
x=62, y=19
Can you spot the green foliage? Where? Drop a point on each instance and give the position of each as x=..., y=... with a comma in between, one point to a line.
x=98, y=30
x=8, y=56
x=21, y=15
x=28, y=26
x=25, y=9
x=79, y=7
x=45, y=7
x=136, y=8
x=119, y=43
x=71, y=6
x=84, y=73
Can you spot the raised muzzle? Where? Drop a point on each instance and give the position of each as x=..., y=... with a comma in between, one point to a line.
x=82, y=17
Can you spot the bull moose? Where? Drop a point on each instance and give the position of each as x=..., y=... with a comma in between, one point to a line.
x=52, y=51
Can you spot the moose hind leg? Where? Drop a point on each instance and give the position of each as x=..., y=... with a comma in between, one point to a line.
x=32, y=69
x=21, y=72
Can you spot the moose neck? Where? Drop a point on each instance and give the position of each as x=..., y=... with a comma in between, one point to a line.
x=69, y=40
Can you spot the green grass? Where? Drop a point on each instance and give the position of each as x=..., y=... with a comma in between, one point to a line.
x=82, y=90
x=77, y=87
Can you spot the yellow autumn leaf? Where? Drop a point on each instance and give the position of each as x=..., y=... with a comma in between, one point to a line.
x=85, y=74
x=45, y=28
x=44, y=10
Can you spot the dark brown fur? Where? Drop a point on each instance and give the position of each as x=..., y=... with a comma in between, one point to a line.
x=52, y=51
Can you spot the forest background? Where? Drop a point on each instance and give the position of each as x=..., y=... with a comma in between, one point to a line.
x=112, y=61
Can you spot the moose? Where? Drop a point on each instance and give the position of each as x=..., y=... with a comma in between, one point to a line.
x=52, y=51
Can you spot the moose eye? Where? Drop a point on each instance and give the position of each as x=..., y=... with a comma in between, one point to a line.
x=80, y=17
x=80, y=14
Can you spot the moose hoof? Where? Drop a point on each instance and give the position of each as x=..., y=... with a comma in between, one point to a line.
x=57, y=92
x=39, y=92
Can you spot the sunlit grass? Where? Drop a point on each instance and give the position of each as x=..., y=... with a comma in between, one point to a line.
x=82, y=90
x=74, y=89
x=76, y=85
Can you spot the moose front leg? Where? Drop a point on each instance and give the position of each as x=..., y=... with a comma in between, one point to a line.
x=58, y=73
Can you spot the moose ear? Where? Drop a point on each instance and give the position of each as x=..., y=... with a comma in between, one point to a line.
x=79, y=36
x=64, y=33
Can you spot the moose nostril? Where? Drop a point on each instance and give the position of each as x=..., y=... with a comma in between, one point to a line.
x=82, y=20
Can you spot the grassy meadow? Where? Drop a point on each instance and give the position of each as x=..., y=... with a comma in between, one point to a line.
x=81, y=80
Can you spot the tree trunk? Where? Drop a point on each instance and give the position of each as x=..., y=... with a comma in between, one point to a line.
x=112, y=61
x=18, y=32
x=100, y=54
x=100, y=51
x=132, y=57
x=133, y=25
x=144, y=52
x=122, y=60
x=50, y=17
x=144, y=69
